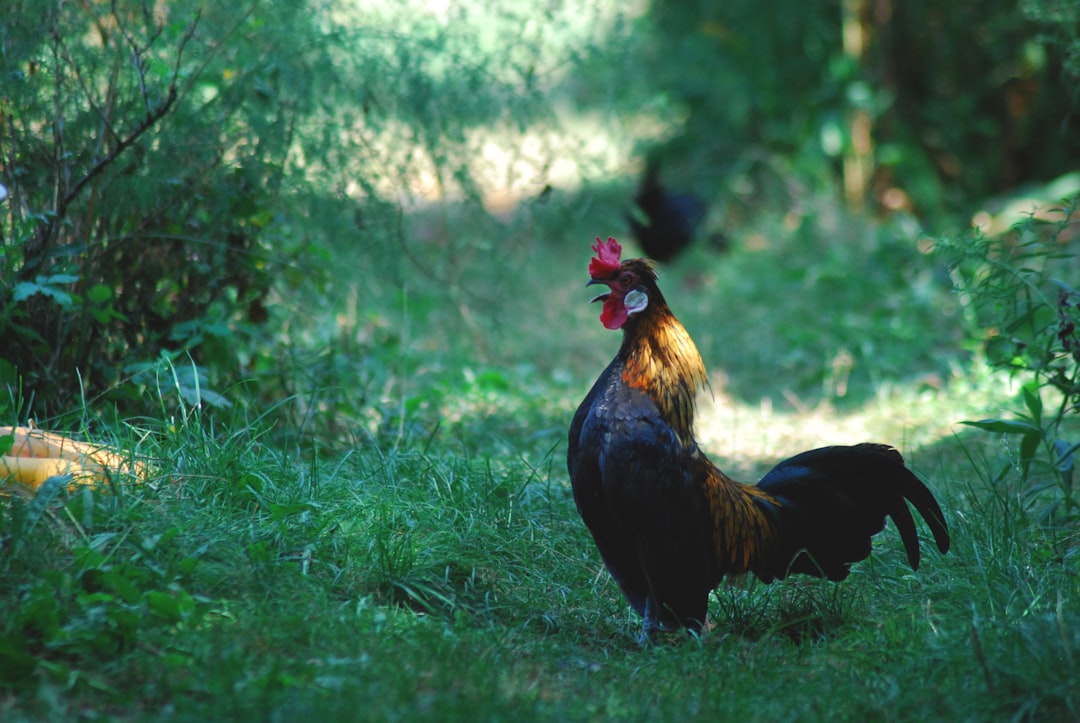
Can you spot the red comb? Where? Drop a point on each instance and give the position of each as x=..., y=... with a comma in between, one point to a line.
x=606, y=261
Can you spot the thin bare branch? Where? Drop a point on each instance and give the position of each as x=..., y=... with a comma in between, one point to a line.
x=151, y=118
x=65, y=194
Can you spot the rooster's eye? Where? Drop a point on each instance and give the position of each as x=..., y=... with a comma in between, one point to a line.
x=626, y=280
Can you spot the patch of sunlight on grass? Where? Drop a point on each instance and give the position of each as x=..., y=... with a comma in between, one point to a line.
x=750, y=438
x=507, y=162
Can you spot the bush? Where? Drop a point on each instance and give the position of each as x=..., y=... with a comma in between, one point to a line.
x=144, y=164
x=175, y=173
x=1021, y=304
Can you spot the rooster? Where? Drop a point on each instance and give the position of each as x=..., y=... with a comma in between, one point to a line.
x=664, y=221
x=668, y=523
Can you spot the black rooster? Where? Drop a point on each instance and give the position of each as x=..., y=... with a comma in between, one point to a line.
x=668, y=523
x=664, y=222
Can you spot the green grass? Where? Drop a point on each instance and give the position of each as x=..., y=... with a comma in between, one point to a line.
x=399, y=541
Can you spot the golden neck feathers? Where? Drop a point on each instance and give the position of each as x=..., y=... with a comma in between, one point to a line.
x=661, y=360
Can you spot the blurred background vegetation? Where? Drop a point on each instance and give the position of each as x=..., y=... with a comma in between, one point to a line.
x=316, y=204
x=321, y=265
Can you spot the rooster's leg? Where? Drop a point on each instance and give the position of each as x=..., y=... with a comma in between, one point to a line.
x=651, y=625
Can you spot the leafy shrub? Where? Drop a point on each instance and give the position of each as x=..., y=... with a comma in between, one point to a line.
x=175, y=173
x=965, y=100
x=143, y=167
x=1021, y=303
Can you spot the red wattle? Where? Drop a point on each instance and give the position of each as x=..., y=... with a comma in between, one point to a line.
x=613, y=315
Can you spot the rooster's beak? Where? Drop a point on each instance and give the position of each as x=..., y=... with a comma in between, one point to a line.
x=601, y=297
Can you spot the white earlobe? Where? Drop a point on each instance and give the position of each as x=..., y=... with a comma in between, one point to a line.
x=635, y=301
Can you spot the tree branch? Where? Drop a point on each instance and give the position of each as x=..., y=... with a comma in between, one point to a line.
x=151, y=118
x=153, y=115
x=46, y=234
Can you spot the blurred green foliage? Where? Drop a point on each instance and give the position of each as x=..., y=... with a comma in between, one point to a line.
x=144, y=151
x=307, y=227
x=1022, y=304
x=967, y=99
x=175, y=173
x=189, y=186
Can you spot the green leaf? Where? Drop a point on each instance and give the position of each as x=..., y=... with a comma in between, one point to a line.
x=99, y=293
x=1029, y=445
x=1003, y=426
x=16, y=664
x=1033, y=401
x=1065, y=459
x=1001, y=351
x=25, y=289
x=57, y=279
x=165, y=606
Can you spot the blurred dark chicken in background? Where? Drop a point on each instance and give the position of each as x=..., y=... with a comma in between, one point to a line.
x=664, y=221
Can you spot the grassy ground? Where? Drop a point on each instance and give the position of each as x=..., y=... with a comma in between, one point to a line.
x=424, y=559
